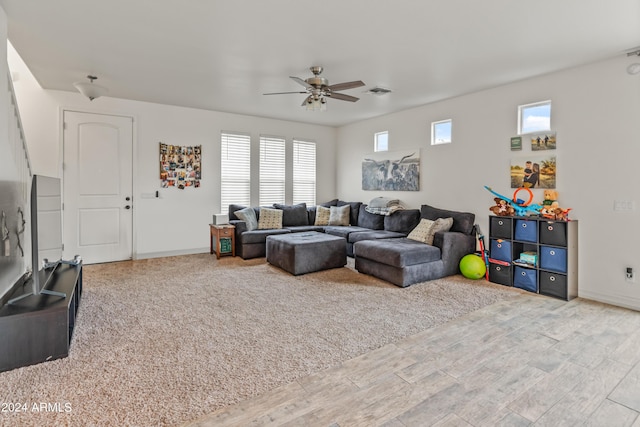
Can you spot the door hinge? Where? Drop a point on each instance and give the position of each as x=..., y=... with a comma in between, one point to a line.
x=64, y=125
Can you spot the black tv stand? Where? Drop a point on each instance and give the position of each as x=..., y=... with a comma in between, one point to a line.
x=38, y=328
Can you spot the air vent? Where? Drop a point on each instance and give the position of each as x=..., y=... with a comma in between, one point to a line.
x=379, y=91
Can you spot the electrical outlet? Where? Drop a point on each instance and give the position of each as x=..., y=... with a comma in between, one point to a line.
x=629, y=275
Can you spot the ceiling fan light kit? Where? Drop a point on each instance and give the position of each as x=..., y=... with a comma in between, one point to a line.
x=319, y=90
x=90, y=89
x=635, y=67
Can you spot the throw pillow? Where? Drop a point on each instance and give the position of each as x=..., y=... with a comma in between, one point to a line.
x=339, y=215
x=426, y=229
x=421, y=231
x=440, y=224
x=322, y=215
x=248, y=215
x=270, y=218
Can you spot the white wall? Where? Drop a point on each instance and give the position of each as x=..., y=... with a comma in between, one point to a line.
x=595, y=112
x=177, y=222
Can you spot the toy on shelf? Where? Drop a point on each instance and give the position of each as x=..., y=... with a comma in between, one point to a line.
x=502, y=208
x=550, y=198
x=551, y=208
x=519, y=206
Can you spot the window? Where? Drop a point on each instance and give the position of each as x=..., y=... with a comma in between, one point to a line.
x=441, y=132
x=534, y=117
x=381, y=141
x=272, y=170
x=304, y=172
x=235, y=170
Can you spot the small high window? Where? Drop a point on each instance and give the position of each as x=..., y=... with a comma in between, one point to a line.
x=381, y=141
x=441, y=132
x=534, y=117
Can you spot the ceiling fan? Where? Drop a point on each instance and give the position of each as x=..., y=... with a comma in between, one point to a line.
x=319, y=90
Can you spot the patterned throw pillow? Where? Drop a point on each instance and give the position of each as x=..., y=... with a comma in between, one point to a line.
x=339, y=215
x=248, y=215
x=322, y=215
x=269, y=219
x=421, y=231
x=441, y=224
x=426, y=229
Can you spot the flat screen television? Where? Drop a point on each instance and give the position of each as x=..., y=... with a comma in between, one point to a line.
x=46, y=233
x=46, y=223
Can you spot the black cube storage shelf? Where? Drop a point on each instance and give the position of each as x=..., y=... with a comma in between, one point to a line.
x=554, y=245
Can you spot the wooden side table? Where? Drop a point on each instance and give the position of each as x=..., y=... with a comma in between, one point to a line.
x=223, y=231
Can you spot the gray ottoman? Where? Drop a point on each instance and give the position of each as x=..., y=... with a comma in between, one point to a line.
x=300, y=253
x=402, y=261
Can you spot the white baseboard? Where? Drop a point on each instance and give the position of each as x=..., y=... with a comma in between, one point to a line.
x=148, y=255
x=624, y=301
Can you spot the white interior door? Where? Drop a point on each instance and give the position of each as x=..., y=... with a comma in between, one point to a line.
x=97, y=182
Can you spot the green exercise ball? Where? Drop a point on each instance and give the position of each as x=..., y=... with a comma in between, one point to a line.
x=472, y=267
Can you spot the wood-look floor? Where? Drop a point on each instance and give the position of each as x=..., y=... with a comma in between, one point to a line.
x=531, y=360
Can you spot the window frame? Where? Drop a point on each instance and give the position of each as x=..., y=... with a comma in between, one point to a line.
x=376, y=141
x=299, y=195
x=272, y=172
x=434, y=125
x=521, y=116
x=233, y=178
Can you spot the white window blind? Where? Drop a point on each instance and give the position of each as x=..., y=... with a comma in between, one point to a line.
x=304, y=172
x=235, y=165
x=272, y=170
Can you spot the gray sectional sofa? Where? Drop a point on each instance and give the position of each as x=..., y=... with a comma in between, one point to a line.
x=379, y=243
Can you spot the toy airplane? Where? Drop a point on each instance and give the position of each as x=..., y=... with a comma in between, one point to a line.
x=519, y=206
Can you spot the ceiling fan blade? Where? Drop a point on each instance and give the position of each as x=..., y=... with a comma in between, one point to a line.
x=346, y=85
x=342, y=97
x=302, y=82
x=307, y=99
x=281, y=93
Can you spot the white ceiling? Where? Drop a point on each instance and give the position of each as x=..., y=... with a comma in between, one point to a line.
x=223, y=55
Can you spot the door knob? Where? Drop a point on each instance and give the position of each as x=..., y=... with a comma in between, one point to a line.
x=127, y=198
x=127, y=207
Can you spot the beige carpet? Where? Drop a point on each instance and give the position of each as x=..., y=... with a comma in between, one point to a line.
x=164, y=341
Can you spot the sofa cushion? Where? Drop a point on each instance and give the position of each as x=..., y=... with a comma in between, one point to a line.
x=355, y=211
x=369, y=220
x=399, y=252
x=260, y=236
x=293, y=215
x=344, y=231
x=402, y=221
x=358, y=236
x=462, y=221
x=339, y=215
x=270, y=219
x=301, y=228
x=248, y=215
x=311, y=214
x=322, y=215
